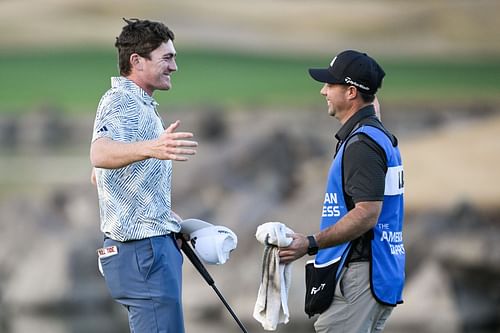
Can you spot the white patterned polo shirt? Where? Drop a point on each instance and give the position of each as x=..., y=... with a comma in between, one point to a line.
x=134, y=201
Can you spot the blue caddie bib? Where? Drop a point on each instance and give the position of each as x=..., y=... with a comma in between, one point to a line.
x=387, y=249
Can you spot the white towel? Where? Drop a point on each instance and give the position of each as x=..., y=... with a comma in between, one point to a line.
x=271, y=307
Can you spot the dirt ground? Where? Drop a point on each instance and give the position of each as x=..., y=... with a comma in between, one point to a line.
x=459, y=162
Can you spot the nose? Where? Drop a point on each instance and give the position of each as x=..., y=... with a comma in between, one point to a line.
x=323, y=90
x=172, y=66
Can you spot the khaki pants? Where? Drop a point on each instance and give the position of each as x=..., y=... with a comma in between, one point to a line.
x=353, y=310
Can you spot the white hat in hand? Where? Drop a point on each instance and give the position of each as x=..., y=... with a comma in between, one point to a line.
x=212, y=243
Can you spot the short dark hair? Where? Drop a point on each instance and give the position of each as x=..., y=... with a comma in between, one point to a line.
x=141, y=37
x=367, y=98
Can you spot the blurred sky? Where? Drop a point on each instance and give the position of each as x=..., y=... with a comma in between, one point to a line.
x=385, y=27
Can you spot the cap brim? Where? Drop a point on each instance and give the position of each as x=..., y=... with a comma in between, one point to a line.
x=322, y=75
x=189, y=226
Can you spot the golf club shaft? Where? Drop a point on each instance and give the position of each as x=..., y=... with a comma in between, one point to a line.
x=188, y=251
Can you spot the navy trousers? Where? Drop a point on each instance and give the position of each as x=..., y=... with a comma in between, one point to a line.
x=146, y=277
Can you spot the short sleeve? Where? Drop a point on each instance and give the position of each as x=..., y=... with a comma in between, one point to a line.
x=365, y=166
x=117, y=117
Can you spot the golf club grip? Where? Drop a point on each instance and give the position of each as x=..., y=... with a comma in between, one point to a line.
x=188, y=251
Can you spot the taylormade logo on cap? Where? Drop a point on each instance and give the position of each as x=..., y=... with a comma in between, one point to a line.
x=348, y=80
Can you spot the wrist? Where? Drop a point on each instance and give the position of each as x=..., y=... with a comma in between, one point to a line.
x=146, y=149
x=312, y=248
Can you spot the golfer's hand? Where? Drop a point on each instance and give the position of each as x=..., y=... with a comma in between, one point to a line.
x=296, y=250
x=179, y=237
x=93, y=179
x=172, y=145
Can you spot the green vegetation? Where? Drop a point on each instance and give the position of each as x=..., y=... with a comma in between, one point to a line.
x=462, y=80
x=74, y=80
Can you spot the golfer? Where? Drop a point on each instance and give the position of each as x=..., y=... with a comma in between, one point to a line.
x=132, y=156
x=357, y=275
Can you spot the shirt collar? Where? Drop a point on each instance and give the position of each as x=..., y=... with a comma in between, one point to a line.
x=348, y=127
x=129, y=85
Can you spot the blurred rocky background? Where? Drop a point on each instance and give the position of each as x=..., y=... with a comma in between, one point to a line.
x=256, y=163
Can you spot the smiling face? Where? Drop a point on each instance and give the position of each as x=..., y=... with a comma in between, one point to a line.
x=335, y=95
x=154, y=73
x=343, y=101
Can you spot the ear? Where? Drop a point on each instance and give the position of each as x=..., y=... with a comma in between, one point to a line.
x=136, y=61
x=351, y=92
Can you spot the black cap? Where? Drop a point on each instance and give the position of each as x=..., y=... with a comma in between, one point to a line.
x=352, y=68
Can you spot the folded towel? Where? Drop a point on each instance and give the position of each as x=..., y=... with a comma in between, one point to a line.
x=271, y=307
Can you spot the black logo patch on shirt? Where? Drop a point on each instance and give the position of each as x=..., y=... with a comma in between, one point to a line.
x=102, y=129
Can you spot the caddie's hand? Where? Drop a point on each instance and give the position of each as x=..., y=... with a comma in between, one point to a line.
x=172, y=145
x=376, y=106
x=296, y=249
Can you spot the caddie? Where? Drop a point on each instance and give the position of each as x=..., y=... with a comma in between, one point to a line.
x=357, y=275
